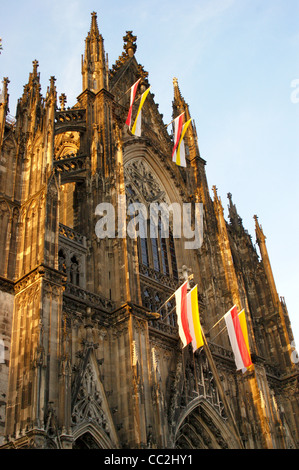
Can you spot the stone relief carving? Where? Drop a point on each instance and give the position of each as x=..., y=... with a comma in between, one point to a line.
x=88, y=406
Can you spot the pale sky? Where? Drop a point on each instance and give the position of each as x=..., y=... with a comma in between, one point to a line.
x=237, y=63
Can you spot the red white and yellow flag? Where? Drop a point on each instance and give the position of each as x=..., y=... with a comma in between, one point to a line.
x=238, y=335
x=132, y=98
x=188, y=316
x=181, y=311
x=136, y=129
x=193, y=319
x=178, y=152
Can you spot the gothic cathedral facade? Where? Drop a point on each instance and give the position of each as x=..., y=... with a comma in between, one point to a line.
x=89, y=335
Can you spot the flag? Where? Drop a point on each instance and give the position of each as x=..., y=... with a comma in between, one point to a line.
x=136, y=129
x=133, y=93
x=178, y=152
x=238, y=335
x=181, y=311
x=193, y=319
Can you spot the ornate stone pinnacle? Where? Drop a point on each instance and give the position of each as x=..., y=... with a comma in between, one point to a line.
x=214, y=188
x=130, y=43
x=35, y=65
x=62, y=100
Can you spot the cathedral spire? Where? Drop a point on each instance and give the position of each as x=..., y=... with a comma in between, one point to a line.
x=94, y=69
x=4, y=96
x=261, y=240
x=234, y=217
x=179, y=105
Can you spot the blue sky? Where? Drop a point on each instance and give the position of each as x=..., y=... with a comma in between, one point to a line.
x=236, y=62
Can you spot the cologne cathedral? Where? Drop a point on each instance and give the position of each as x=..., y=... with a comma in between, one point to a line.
x=91, y=356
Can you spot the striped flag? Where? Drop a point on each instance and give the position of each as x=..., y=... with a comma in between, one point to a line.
x=193, y=319
x=181, y=311
x=136, y=129
x=132, y=98
x=238, y=335
x=178, y=152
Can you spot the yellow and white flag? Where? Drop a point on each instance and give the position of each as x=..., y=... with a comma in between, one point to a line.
x=193, y=319
x=178, y=152
x=136, y=129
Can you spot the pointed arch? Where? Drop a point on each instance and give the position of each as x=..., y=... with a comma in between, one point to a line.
x=201, y=427
x=88, y=436
x=90, y=409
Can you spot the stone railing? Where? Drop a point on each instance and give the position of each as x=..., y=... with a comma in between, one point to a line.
x=72, y=235
x=159, y=277
x=90, y=298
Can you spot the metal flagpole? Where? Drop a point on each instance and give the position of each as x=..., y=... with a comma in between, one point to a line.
x=166, y=125
x=217, y=323
x=135, y=101
x=218, y=334
x=220, y=388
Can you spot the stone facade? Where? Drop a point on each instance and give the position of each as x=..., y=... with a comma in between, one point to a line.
x=89, y=362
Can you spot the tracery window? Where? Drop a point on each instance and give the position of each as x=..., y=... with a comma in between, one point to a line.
x=156, y=253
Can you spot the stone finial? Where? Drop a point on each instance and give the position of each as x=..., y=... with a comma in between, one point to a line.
x=52, y=82
x=51, y=89
x=214, y=188
x=4, y=92
x=94, y=24
x=130, y=43
x=35, y=65
x=259, y=230
x=62, y=100
x=235, y=219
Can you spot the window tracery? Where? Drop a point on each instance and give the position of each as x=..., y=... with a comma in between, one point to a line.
x=156, y=253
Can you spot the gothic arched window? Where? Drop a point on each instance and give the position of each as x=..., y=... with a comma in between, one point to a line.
x=157, y=257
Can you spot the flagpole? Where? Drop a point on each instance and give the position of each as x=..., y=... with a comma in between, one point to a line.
x=217, y=323
x=172, y=295
x=221, y=391
x=222, y=328
x=222, y=318
x=218, y=334
x=174, y=119
x=166, y=125
x=135, y=101
x=172, y=310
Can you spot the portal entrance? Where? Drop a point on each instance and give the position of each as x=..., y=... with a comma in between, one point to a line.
x=86, y=441
x=201, y=427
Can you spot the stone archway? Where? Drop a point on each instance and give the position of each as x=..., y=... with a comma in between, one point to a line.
x=201, y=427
x=86, y=441
x=91, y=436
